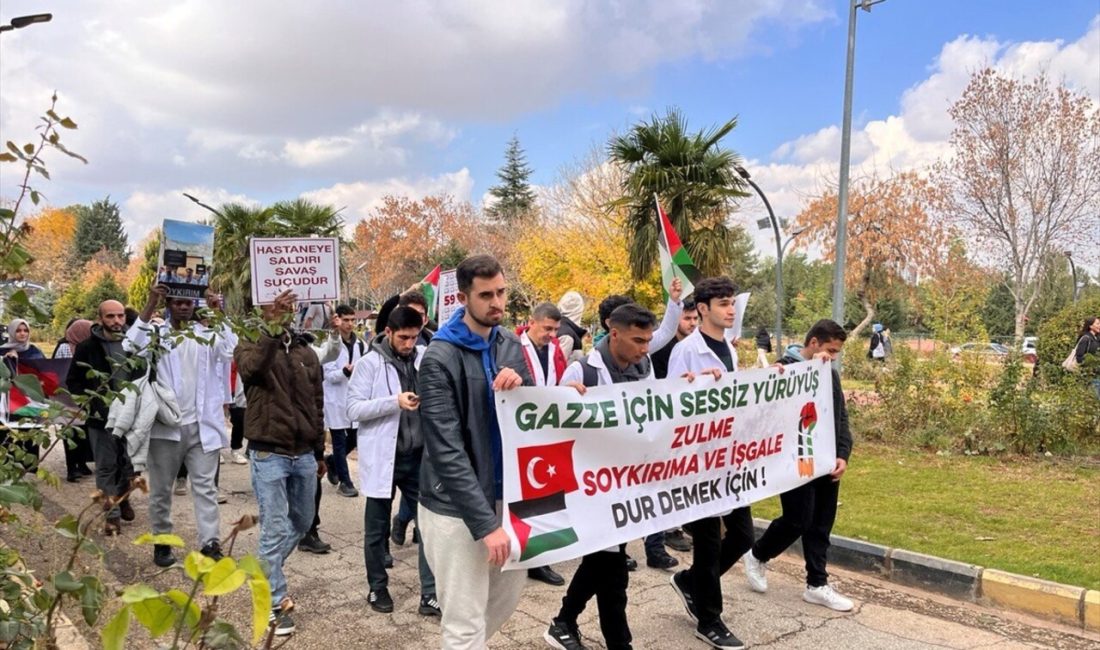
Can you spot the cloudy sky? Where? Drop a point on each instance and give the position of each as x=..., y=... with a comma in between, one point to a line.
x=346, y=101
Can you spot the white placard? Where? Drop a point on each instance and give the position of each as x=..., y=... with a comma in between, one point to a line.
x=448, y=296
x=739, y=304
x=308, y=266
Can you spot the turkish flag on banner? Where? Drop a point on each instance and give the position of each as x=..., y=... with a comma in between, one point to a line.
x=546, y=469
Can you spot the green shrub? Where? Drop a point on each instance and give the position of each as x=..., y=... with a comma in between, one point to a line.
x=1058, y=335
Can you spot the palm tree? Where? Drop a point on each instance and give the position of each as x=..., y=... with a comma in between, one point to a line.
x=696, y=183
x=236, y=224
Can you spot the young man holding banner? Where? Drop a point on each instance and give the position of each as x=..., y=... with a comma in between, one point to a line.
x=810, y=510
x=621, y=356
x=462, y=471
x=708, y=350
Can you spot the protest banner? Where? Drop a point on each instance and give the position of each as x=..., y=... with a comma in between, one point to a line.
x=740, y=302
x=308, y=266
x=186, y=255
x=585, y=473
x=448, y=296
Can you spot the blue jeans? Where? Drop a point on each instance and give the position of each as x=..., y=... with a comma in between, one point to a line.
x=284, y=487
x=343, y=441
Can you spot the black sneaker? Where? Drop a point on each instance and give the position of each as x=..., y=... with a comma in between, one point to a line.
x=547, y=575
x=347, y=490
x=380, y=601
x=398, y=530
x=126, y=511
x=429, y=606
x=678, y=582
x=312, y=543
x=661, y=560
x=416, y=535
x=717, y=635
x=284, y=625
x=677, y=541
x=563, y=636
x=330, y=474
x=212, y=550
x=162, y=555
x=631, y=564
x=387, y=560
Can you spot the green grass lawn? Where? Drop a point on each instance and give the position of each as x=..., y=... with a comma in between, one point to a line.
x=1022, y=515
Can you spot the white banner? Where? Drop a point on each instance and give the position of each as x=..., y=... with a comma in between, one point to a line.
x=448, y=297
x=584, y=473
x=308, y=266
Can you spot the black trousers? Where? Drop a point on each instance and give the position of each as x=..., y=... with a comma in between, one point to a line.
x=809, y=512
x=712, y=556
x=236, y=418
x=316, y=509
x=376, y=525
x=602, y=574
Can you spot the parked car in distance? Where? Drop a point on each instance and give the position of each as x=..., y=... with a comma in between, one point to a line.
x=990, y=348
x=1027, y=349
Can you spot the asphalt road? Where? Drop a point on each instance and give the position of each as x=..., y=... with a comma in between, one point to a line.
x=330, y=592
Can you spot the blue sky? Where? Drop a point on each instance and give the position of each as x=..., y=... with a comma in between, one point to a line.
x=253, y=101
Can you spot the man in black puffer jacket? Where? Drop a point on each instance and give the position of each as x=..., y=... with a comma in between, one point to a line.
x=461, y=474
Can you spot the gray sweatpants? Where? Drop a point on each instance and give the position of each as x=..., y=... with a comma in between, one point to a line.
x=165, y=458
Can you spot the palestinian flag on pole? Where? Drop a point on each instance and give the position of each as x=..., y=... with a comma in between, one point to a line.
x=541, y=521
x=429, y=286
x=675, y=261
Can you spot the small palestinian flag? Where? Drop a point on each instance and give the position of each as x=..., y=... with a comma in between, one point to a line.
x=675, y=261
x=807, y=420
x=429, y=286
x=541, y=521
x=50, y=374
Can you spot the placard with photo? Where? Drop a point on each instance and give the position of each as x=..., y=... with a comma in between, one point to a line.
x=186, y=258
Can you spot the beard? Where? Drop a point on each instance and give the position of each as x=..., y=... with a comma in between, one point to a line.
x=488, y=319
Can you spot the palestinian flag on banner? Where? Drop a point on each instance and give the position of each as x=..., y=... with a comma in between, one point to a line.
x=429, y=286
x=675, y=261
x=50, y=374
x=541, y=521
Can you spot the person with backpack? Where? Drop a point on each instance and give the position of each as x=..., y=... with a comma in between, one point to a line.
x=337, y=376
x=1088, y=342
x=876, y=350
x=621, y=356
x=809, y=510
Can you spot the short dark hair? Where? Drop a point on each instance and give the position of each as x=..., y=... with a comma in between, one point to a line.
x=413, y=297
x=610, y=304
x=632, y=315
x=403, y=318
x=344, y=310
x=546, y=310
x=476, y=266
x=826, y=330
x=689, y=304
x=710, y=288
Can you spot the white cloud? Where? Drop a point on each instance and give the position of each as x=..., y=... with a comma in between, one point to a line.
x=143, y=211
x=360, y=197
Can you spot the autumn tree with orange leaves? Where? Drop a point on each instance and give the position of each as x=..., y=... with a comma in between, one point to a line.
x=1024, y=181
x=892, y=239
x=49, y=241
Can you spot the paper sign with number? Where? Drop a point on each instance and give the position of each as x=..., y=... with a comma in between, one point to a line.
x=448, y=296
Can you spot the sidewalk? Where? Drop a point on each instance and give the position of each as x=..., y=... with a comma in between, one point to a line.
x=330, y=592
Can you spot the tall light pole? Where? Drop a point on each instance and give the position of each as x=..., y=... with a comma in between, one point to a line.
x=347, y=287
x=23, y=21
x=845, y=161
x=780, y=247
x=1073, y=270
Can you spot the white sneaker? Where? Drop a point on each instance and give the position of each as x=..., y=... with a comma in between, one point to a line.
x=827, y=597
x=756, y=572
x=238, y=457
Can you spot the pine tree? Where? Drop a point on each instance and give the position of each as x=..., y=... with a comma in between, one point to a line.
x=515, y=198
x=99, y=227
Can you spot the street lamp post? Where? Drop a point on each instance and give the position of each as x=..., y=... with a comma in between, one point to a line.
x=20, y=22
x=347, y=287
x=845, y=160
x=780, y=247
x=1073, y=270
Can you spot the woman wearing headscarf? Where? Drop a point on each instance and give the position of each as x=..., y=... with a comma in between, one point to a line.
x=78, y=457
x=19, y=344
x=570, y=333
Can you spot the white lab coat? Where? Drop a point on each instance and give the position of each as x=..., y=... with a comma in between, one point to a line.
x=210, y=382
x=694, y=355
x=336, y=385
x=372, y=403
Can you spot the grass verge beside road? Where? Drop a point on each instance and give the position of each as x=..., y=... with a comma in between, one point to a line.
x=1023, y=515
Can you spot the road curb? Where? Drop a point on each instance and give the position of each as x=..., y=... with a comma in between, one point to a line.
x=969, y=582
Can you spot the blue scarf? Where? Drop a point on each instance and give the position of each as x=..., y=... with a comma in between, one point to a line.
x=456, y=332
